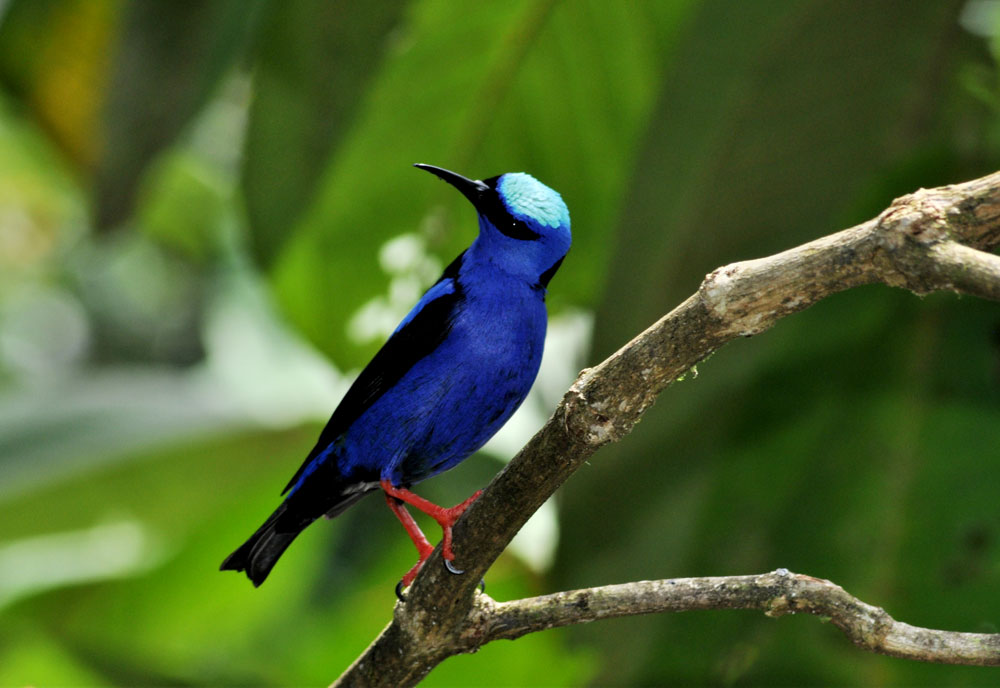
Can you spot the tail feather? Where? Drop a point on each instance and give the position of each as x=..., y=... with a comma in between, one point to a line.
x=261, y=551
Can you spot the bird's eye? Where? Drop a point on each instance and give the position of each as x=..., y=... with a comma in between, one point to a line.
x=493, y=207
x=516, y=229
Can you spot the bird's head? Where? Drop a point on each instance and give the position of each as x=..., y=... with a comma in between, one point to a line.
x=523, y=224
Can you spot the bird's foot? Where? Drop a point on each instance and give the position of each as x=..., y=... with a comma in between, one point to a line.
x=408, y=577
x=424, y=548
x=414, y=570
x=446, y=519
x=397, y=498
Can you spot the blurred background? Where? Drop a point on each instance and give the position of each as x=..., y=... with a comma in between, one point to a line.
x=209, y=222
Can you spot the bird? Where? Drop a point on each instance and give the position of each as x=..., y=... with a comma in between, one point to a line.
x=447, y=379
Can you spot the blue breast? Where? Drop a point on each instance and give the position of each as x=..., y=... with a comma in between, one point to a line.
x=454, y=399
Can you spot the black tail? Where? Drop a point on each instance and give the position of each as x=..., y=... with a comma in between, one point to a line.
x=258, y=555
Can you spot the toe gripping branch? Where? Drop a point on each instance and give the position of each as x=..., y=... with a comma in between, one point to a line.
x=397, y=498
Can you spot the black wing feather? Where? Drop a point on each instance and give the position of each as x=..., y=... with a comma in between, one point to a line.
x=402, y=351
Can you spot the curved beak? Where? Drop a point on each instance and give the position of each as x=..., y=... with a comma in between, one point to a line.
x=472, y=189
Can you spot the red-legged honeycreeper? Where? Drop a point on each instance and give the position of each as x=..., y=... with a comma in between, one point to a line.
x=453, y=372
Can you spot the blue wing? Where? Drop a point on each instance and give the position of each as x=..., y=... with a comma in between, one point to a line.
x=420, y=332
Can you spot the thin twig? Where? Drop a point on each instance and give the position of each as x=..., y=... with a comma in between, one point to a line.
x=776, y=593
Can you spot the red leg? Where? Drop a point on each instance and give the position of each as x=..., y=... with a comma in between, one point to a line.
x=445, y=518
x=424, y=548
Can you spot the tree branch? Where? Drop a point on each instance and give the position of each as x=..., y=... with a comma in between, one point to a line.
x=776, y=594
x=928, y=241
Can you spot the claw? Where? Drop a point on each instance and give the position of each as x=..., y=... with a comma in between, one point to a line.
x=448, y=565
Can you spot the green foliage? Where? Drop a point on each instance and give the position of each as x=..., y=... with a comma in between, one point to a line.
x=195, y=205
x=170, y=57
x=184, y=205
x=314, y=63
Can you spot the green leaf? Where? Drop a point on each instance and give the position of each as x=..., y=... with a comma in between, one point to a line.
x=313, y=63
x=54, y=58
x=182, y=204
x=168, y=61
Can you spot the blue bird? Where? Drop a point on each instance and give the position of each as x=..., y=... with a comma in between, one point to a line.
x=455, y=369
